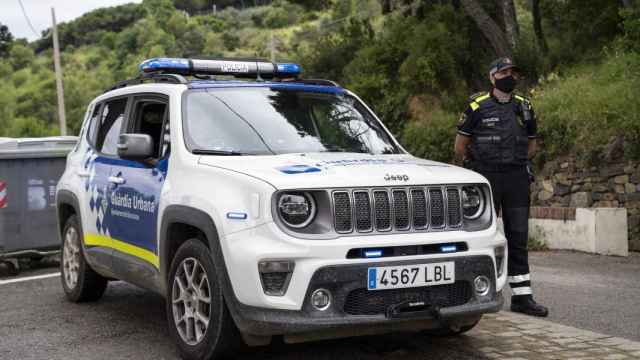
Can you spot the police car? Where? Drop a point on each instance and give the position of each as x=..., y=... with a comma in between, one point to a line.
x=261, y=204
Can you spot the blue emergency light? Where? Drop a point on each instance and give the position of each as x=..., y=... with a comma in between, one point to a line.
x=237, y=68
x=448, y=248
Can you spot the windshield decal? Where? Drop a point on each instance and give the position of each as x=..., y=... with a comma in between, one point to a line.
x=298, y=169
x=356, y=162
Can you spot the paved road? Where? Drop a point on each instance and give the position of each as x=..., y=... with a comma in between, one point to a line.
x=599, y=293
x=36, y=322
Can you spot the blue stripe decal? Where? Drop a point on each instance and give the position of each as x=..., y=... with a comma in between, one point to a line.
x=372, y=278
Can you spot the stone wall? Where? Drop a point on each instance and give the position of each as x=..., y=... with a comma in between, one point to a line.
x=566, y=182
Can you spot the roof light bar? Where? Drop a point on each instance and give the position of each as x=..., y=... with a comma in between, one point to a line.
x=238, y=68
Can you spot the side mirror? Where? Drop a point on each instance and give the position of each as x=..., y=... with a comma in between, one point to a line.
x=135, y=146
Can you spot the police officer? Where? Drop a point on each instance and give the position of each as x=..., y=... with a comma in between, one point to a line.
x=496, y=137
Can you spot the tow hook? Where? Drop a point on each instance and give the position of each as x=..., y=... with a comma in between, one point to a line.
x=412, y=309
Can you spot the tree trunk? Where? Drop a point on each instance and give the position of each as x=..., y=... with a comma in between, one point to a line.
x=488, y=26
x=386, y=6
x=511, y=27
x=537, y=26
x=627, y=3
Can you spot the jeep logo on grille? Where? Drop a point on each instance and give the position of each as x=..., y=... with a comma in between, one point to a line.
x=396, y=177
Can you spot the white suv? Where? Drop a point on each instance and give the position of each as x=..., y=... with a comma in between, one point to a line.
x=271, y=206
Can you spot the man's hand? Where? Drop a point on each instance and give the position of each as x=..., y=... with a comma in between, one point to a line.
x=461, y=145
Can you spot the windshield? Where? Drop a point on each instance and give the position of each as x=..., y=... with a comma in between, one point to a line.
x=262, y=120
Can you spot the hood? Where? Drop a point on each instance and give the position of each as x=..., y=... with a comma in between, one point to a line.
x=332, y=170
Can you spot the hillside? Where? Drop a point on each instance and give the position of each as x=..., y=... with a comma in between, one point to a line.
x=414, y=62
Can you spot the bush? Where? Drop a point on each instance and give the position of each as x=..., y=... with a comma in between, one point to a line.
x=431, y=138
x=587, y=108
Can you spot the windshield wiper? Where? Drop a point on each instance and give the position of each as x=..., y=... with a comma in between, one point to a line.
x=217, y=152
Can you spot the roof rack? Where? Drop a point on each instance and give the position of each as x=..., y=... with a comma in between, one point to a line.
x=152, y=77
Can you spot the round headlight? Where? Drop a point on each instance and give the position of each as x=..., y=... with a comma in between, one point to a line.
x=296, y=209
x=472, y=202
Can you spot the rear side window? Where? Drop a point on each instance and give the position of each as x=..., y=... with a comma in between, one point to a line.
x=93, y=123
x=111, y=119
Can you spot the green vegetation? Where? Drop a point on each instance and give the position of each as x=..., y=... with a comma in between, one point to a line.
x=414, y=61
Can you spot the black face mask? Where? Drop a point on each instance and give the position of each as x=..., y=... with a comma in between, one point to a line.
x=506, y=84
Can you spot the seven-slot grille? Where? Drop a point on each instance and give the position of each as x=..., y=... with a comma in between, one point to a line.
x=398, y=209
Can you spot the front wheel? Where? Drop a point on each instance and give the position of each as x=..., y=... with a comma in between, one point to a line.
x=79, y=282
x=197, y=315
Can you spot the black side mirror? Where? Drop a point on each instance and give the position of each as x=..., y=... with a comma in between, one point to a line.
x=135, y=146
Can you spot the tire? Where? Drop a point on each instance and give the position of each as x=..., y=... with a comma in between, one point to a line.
x=192, y=281
x=450, y=331
x=13, y=269
x=79, y=282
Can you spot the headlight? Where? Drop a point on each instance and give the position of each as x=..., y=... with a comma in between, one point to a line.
x=472, y=202
x=296, y=209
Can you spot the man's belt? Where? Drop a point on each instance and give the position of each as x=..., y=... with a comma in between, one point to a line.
x=480, y=166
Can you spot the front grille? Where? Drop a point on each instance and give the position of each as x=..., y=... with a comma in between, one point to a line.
x=433, y=208
x=342, y=211
x=401, y=208
x=437, y=208
x=362, y=210
x=364, y=302
x=383, y=210
x=453, y=207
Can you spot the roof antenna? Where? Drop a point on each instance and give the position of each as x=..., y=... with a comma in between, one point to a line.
x=258, y=78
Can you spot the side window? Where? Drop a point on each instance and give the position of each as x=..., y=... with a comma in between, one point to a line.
x=93, y=123
x=149, y=118
x=111, y=118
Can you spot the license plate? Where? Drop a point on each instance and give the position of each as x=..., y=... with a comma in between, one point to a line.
x=406, y=276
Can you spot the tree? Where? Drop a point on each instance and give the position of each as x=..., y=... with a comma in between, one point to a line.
x=511, y=27
x=489, y=27
x=6, y=39
x=537, y=26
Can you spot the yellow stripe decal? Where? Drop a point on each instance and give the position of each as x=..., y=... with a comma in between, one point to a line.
x=483, y=97
x=519, y=98
x=105, y=241
x=474, y=106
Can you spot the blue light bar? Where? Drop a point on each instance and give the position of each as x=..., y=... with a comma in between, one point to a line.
x=238, y=68
x=373, y=253
x=448, y=248
x=159, y=64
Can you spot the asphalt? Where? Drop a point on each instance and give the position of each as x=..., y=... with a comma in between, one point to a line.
x=594, y=292
x=36, y=322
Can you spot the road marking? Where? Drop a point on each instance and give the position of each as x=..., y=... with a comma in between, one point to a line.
x=28, y=278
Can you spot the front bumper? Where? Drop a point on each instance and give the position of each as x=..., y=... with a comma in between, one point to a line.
x=243, y=251
x=354, y=308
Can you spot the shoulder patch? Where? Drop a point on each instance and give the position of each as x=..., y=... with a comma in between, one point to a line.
x=477, y=95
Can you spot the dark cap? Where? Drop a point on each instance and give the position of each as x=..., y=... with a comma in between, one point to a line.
x=502, y=64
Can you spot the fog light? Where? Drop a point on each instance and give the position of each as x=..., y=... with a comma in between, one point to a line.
x=482, y=285
x=275, y=276
x=321, y=299
x=499, y=252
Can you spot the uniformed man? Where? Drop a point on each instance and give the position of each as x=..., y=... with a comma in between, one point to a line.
x=496, y=137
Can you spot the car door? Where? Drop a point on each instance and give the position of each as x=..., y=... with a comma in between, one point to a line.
x=136, y=194
x=107, y=122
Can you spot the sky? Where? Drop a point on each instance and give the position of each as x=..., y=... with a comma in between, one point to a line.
x=39, y=12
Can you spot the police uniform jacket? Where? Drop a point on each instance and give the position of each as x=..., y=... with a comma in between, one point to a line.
x=500, y=132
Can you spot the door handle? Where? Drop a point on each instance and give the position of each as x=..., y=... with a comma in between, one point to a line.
x=116, y=180
x=83, y=174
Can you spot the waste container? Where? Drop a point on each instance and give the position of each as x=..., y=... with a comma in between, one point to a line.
x=29, y=172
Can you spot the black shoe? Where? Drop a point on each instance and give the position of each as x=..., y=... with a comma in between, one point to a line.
x=528, y=306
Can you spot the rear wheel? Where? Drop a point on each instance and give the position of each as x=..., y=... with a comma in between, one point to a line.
x=197, y=314
x=79, y=281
